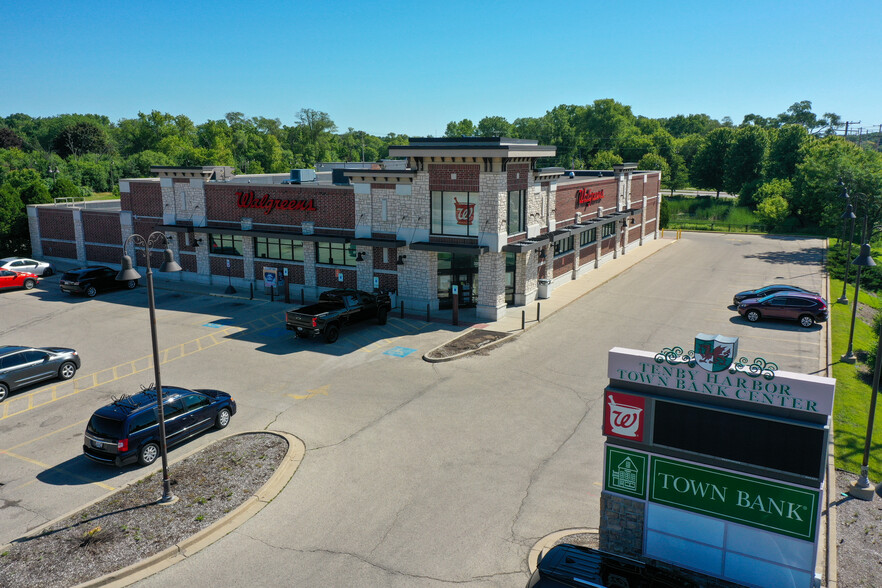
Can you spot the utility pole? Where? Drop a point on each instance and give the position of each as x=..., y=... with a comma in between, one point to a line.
x=850, y=122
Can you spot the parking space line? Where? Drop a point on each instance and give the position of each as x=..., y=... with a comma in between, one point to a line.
x=41, y=437
x=111, y=374
x=47, y=466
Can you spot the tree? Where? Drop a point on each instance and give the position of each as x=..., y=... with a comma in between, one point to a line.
x=605, y=160
x=64, y=188
x=800, y=113
x=691, y=124
x=651, y=161
x=678, y=174
x=463, y=128
x=80, y=138
x=494, y=126
x=9, y=139
x=785, y=150
x=745, y=158
x=708, y=166
x=773, y=201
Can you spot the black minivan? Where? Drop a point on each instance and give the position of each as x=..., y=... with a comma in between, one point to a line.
x=93, y=279
x=127, y=429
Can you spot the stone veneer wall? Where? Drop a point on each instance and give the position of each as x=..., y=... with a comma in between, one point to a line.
x=621, y=525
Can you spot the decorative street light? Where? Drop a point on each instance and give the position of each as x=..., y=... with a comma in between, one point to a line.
x=848, y=214
x=127, y=272
x=863, y=489
x=862, y=260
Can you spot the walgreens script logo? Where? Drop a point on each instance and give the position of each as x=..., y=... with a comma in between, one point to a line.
x=623, y=416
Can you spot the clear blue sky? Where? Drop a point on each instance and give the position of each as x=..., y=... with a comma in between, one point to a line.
x=411, y=67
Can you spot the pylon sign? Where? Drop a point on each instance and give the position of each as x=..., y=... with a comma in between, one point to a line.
x=719, y=460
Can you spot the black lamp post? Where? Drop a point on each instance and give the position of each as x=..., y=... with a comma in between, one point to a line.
x=862, y=260
x=127, y=272
x=846, y=216
x=863, y=489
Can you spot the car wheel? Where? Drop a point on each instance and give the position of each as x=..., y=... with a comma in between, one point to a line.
x=91, y=291
x=806, y=321
x=47, y=272
x=382, y=316
x=752, y=316
x=29, y=284
x=4, y=391
x=67, y=370
x=332, y=333
x=132, y=284
x=148, y=454
x=223, y=418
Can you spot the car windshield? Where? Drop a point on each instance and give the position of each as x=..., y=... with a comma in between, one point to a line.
x=104, y=427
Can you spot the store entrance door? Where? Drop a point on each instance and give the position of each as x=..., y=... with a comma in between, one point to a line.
x=460, y=270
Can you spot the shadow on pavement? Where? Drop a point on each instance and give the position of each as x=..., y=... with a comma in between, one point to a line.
x=78, y=471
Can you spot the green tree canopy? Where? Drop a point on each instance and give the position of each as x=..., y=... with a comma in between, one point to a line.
x=709, y=165
x=80, y=138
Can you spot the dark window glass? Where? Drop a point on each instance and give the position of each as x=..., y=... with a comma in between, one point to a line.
x=172, y=409
x=455, y=213
x=335, y=253
x=609, y=229
x=283, y=249
x=226, y=244
x=563, y=246
x=588, y=237
x=142, y=421
x=517, y=211
x=30, y=356
x=14, y=360
x=193, y=401
x=104, y=427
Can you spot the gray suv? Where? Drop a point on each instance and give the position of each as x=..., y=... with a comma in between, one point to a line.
x=22, y=366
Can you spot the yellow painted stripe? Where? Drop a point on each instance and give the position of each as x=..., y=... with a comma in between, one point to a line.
x=35, y=439
x=46, y=466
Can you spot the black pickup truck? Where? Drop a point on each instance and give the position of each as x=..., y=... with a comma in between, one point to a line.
x=335, y=309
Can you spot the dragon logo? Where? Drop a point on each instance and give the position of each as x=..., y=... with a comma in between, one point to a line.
x=715, y=353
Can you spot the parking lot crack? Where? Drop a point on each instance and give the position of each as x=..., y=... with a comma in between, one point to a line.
x=388, y=570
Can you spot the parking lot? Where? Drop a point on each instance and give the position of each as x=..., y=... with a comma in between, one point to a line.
x=416, y=474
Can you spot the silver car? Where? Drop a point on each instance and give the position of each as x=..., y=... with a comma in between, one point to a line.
x=26, y=264
x=22, y=366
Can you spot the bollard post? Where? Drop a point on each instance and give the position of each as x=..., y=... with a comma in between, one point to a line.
x=302, y=297
x=456, y=310
x=287, y=292
x=272, y=293
x=251, y=296
x=538, y=306
x=523, y=319
x=428, y=317
x=402, y=309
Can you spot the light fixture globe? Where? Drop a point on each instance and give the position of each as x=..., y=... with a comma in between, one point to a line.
x=864, y=259
x=127, y=272
x=169, y=264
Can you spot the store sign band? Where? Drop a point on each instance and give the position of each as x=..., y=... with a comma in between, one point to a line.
x=772, y=506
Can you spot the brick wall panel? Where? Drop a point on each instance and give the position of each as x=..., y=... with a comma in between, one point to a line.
x=295, y=271
x=143, y=199
x=188, y=262
x=101, y=227
x=326, y=277
x=378, y=259
x=56, y=223
x=586, y=254
x=518, y=175
x=59, y=249
x=467, y=177
x=334, y=207
x=219, y=266
x=104, y=254
x=563, y=264
x=567, y=201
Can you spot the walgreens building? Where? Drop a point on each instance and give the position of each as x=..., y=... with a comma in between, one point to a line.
x=475, y=213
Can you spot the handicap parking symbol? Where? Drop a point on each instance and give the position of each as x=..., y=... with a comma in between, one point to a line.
x=399, y=351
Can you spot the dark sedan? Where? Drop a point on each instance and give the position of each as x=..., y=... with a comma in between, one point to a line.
x=766, y=290
x=93, y=279
x=794, y=306
x=21, y=366
x=127, y=430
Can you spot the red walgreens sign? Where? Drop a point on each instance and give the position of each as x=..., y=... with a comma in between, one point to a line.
x=623, y=415
x=249, y=200
x=585, y=196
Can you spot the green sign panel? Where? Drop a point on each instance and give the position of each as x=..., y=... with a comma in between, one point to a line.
x=750, y=501
x=626, y=472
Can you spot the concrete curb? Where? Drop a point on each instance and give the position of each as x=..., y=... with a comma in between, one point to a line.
x=467, y=352
x=831, y=570
x=543, y=545
x=191, y=545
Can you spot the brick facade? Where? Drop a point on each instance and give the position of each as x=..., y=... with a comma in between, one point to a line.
x=467, y=177
x=102, y=227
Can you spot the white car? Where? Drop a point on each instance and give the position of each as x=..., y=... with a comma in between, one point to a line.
x=24, y=264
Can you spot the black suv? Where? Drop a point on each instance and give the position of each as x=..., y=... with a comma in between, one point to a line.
x=127, y=429
x=92, y=279
x=21, y=366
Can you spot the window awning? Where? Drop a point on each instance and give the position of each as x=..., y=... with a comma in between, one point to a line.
x=462, y=248
x=387, y=243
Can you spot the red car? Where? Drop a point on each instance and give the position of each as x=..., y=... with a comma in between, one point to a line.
x=11, y=279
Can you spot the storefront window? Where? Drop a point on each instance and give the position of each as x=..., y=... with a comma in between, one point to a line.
x=563, y=246
x=455, y=213
x=226, y=244
x=283, y=249
x=335, y=253
x=517, y=211
x=609, y=230
x=587, y=237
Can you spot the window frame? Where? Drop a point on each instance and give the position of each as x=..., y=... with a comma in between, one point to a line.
x=588, y=237
x=564, y=246
x=270, y=242
x=225, y=245
x=347, y=252
x=472, y=230
x=520, y=224
x=609, y=230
